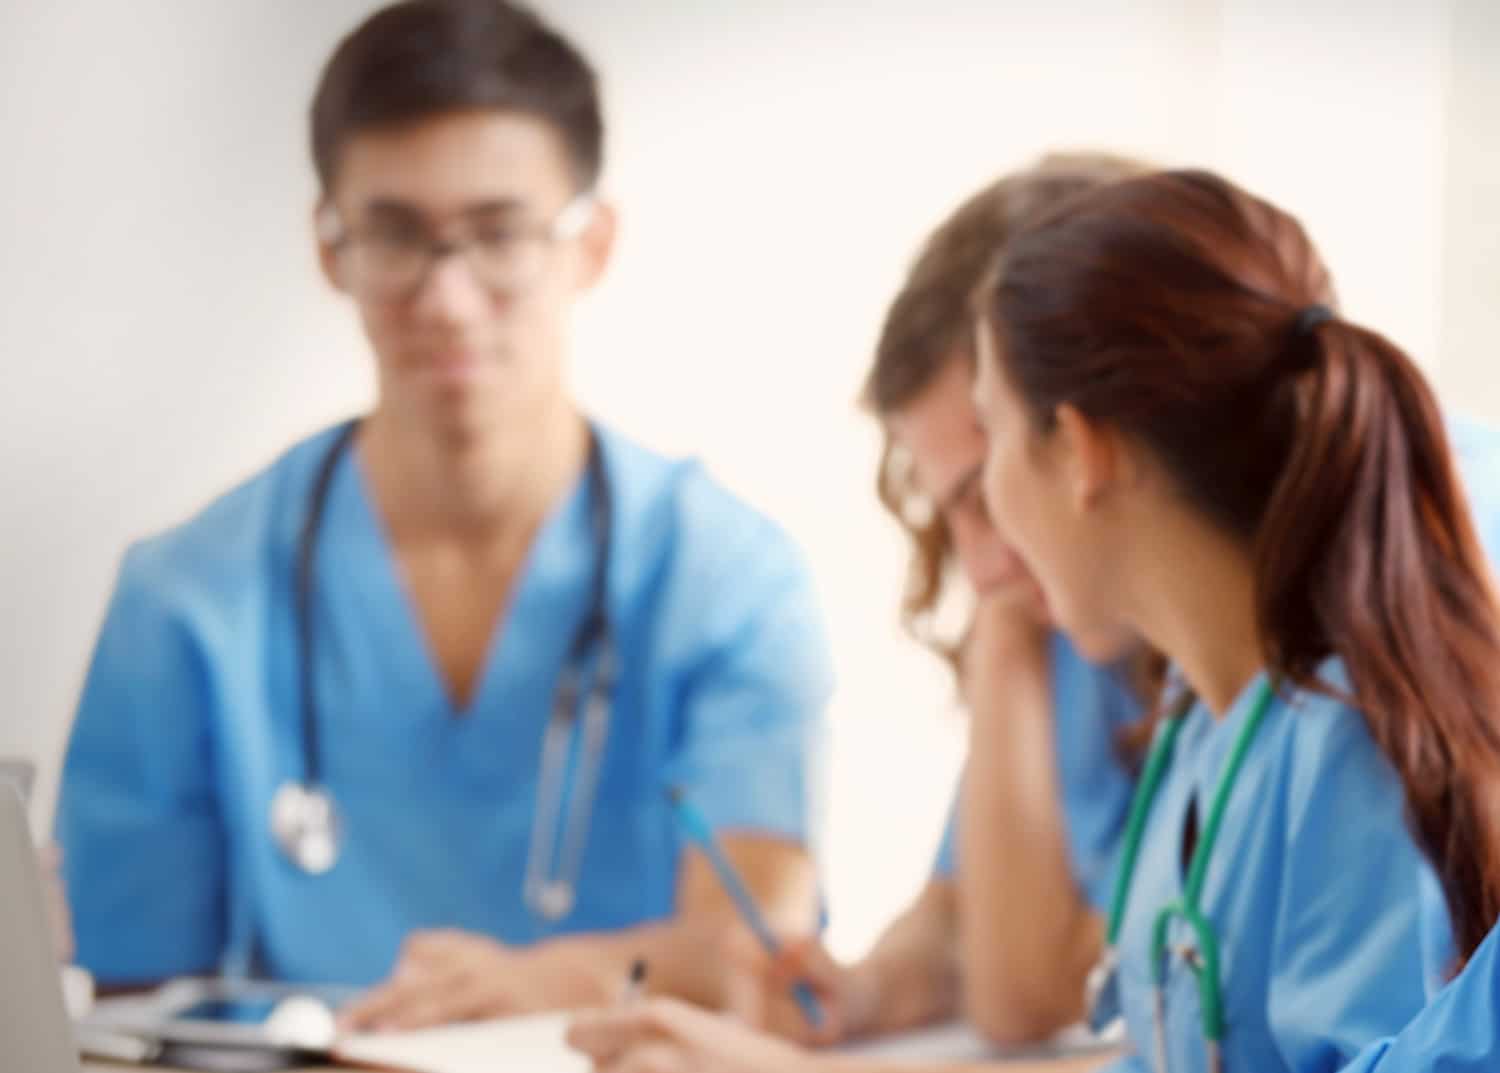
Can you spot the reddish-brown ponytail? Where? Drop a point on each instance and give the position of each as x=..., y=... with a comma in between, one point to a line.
x=1171, y=306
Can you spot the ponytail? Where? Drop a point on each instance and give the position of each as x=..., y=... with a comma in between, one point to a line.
x=1168, y=306
x=1367, y=547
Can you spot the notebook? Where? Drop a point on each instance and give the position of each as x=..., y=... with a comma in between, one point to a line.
x=536, y=1045
x=532, y=1044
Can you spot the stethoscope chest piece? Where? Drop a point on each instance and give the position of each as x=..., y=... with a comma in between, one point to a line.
x=305, y=823
x=552, y=899
x=306, y=826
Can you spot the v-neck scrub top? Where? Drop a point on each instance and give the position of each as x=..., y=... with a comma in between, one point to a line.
x=189, y=721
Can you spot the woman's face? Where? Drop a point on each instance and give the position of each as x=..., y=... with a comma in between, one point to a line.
x=940, y=430
x=1043, y=491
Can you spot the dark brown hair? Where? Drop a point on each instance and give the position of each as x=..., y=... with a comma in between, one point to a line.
x=927, y=327
x=422, y=58
x=1170, y=306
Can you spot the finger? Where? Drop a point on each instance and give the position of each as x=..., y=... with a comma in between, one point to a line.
x=606, y=1034
x=436, y=946
x=477, y=992
x=650, y=1058
x=365, y=1012
x=805, y=960
x=441, y=940
x=423, y=946
x=421, y=997
x=745, y=995
x=376, y=1007
x=786, y=1018
x=426, y=1011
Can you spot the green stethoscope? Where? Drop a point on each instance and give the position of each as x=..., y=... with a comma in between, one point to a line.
x=1202, y=958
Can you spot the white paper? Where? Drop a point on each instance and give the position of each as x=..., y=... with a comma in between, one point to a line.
x=510, y=1045
x=958, y=1042
x=536, y=1045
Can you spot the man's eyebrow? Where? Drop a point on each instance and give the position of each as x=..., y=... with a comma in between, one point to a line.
x=396, y=210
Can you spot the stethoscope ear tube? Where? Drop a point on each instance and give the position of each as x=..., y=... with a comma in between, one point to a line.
x=554, y=865
x=304, y=593
x=304, y=818
x=1203, y=959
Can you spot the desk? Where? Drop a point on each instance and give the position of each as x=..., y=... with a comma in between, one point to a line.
x=945, y=1043
x=90, y=1066
x=111, y=1067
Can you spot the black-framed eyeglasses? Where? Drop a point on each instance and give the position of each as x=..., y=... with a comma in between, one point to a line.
x=390, y=262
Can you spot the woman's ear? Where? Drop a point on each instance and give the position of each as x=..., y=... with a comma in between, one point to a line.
x=1090, y=456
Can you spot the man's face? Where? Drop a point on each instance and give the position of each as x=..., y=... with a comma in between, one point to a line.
x=461, y=241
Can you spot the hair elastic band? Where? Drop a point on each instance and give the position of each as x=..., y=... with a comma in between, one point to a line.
x=1311, y=317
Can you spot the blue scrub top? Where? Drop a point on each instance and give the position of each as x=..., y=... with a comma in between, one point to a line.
x=1315, y=892
x=1476, y=449
x=1091, y=705
x=1459, y=1032
x=189, y=721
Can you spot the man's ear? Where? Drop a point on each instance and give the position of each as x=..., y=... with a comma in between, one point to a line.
x=326, y=232
x=596, y=244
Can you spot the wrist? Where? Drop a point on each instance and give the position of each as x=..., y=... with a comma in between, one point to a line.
x=864, y=992
x=577, y=974
x=1002, y=648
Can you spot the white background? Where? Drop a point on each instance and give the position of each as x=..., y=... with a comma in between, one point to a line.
x=163, y=331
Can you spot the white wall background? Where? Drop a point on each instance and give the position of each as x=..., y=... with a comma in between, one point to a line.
x=163, y=331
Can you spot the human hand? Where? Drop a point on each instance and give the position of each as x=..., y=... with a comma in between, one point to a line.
x=447, y=976
x=758, y=991
x=668, y=1036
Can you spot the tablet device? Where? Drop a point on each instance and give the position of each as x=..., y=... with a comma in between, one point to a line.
x=229, y=1013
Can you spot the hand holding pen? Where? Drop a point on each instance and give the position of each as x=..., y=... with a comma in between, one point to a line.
x=696, y=830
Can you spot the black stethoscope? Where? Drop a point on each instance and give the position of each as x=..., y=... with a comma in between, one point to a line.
x=304, y=820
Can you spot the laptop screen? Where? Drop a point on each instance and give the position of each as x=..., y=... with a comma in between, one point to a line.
x=33, y=1019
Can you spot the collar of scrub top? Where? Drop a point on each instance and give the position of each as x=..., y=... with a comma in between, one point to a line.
x=304, y=819
x=1103, y=986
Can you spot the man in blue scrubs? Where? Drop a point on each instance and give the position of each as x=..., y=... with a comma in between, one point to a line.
x=475, y=529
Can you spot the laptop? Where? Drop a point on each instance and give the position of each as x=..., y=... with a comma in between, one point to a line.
x=33, y=1018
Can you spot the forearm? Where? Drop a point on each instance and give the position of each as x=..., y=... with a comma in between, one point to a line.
x=912, y=971
x=686, y=955
x=672, y=950
x=1028, y=937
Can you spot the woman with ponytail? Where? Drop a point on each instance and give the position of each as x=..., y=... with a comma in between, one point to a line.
x=1188, y=444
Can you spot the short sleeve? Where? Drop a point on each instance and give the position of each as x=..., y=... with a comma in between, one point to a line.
x=1349, y=944
x=753, y=712
x=945, y=866
x=137, y=812
x=1476, y=450
x=1458, y=1033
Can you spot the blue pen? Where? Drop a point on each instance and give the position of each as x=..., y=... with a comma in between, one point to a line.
x=698, y=832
